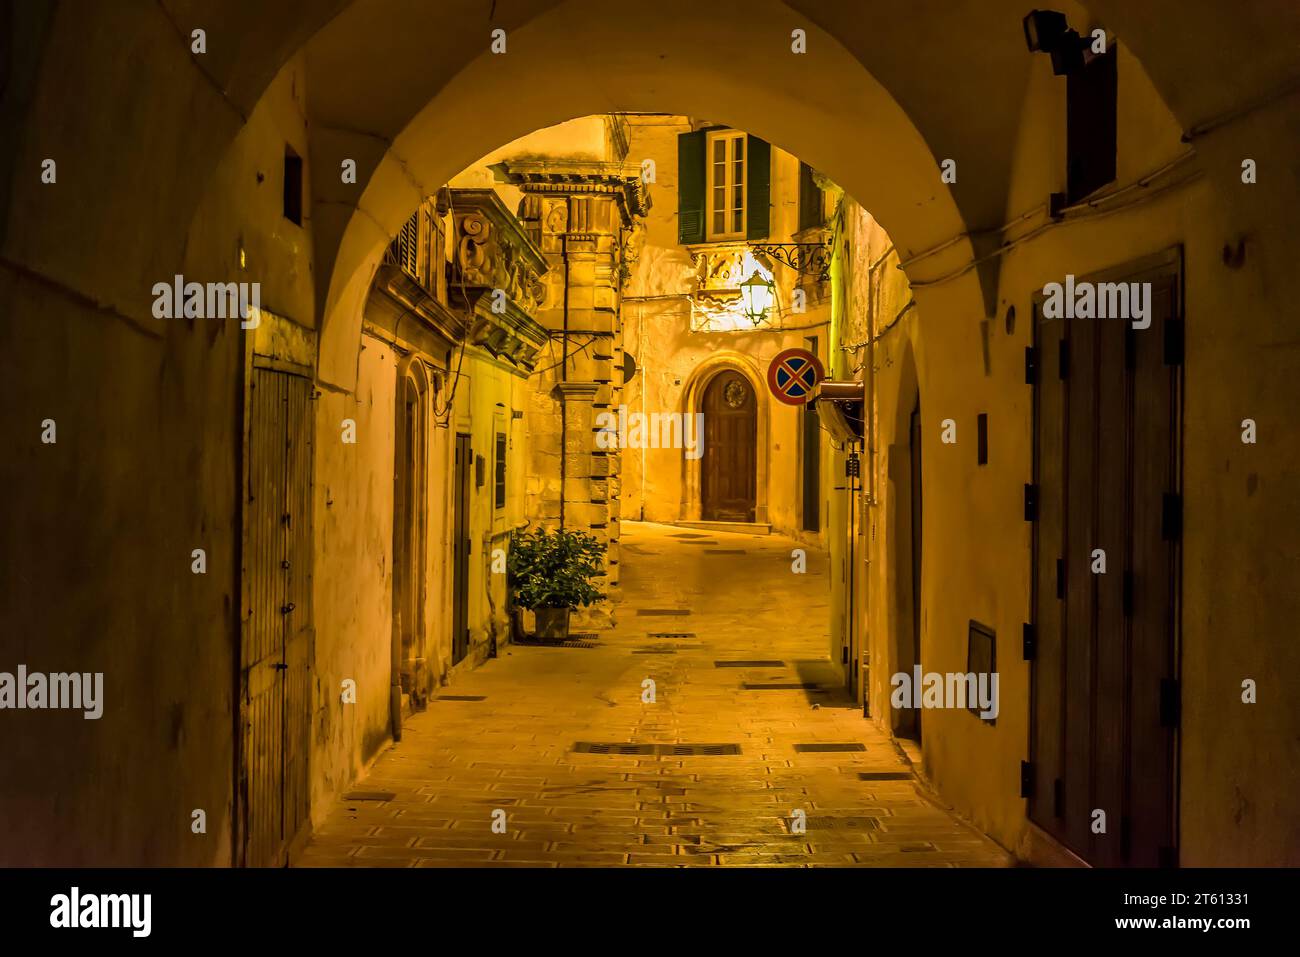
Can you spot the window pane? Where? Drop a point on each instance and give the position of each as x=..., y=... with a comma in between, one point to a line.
x=738, y=220
x=719, y=151
x=718, y=226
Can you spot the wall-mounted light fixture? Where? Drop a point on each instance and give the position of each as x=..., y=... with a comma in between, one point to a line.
x=1047, y=31
x=758, y=297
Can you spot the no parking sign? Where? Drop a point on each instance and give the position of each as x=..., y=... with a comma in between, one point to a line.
x=793, y=374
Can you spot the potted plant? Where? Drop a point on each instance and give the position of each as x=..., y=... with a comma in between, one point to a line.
x=551, y=573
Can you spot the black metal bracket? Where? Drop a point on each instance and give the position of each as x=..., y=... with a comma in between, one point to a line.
x=807, y=259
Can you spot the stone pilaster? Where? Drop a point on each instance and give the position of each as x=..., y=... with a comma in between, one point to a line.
x=579, y=216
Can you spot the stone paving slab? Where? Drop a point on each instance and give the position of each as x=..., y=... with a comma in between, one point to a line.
x=513, y=752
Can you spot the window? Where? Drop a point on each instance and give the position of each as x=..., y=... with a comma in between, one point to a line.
x=292, y=186
x=499, y=484
x=723, y=187
x=1091, y=92
x=726, y=187
x=811, y=211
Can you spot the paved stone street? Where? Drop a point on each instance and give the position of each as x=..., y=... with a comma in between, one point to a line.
x=430, y=800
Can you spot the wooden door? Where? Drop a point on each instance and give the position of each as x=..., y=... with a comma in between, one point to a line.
x=728, y=469
x=1107, y=526
x=409, y=534
x=914, y=507
x=464, y=476
x=276, y=645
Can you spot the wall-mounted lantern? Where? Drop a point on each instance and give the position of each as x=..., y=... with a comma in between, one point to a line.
x=758, y=297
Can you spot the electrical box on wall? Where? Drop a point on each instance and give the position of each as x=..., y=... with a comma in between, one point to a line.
x=480, y=471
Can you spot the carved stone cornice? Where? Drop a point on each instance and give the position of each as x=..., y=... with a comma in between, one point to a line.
x=501, y=328
x=395, y=295
x=620, y=180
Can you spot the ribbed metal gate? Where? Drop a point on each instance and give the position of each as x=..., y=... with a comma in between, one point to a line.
x=276, y=645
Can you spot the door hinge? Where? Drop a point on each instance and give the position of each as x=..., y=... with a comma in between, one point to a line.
x=280, y=666
x=1029, y=641
x=844, y=654
x=1063, y=359
x=1174, y=342
x=1169, y=703
x=1031, y=503
x=1026, y=779
x=1031, y=365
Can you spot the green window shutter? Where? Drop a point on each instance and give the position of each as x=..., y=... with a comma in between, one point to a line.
x=690, y=187
x=758, y=189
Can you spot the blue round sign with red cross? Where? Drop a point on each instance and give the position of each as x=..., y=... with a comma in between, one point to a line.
x=793, y=374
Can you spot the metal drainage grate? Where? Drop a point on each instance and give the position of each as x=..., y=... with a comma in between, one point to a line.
x=780, y=686
x=654, y=651
x=884, y=776
x=574, y=641
x=819, y=747
x=675, y=750
x=615, y=747
x=686, y=749
x=646, y=612
x=370, y=796
x=671, y=634
x=749, y=664
x=461, y=697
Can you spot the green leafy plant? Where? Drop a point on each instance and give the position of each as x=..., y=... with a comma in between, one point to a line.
x=554, y=569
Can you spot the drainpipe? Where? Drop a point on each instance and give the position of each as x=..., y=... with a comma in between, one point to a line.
x=564, y=377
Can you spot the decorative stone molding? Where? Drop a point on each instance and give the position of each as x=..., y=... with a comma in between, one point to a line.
x=507, y=333
x=493, y=251
x=618, y=180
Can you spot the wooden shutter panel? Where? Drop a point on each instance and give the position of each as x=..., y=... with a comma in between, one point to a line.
x=690, y=187
x=758, y=189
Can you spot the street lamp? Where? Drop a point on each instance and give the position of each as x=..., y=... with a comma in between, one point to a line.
x=758, y=297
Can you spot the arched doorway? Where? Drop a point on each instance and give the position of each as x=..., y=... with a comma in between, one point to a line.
x=729, y=467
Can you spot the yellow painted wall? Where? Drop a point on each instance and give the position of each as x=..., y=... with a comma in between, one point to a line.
x=657, y=322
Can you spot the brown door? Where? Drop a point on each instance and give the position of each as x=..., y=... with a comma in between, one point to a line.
x=728, y=469
x=1106, y=547
x=464, y=490
x=276, y=644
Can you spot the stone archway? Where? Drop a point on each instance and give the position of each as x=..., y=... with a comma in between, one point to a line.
x=692, y=402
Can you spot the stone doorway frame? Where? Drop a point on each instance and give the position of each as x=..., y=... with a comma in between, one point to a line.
x=692, y=402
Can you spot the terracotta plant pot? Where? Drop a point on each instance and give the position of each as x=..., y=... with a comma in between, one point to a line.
x=552, y=624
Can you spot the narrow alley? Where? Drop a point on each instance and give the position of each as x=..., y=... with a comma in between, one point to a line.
x=588, y=775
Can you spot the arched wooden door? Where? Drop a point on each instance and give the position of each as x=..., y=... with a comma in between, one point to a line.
x=729, y=467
